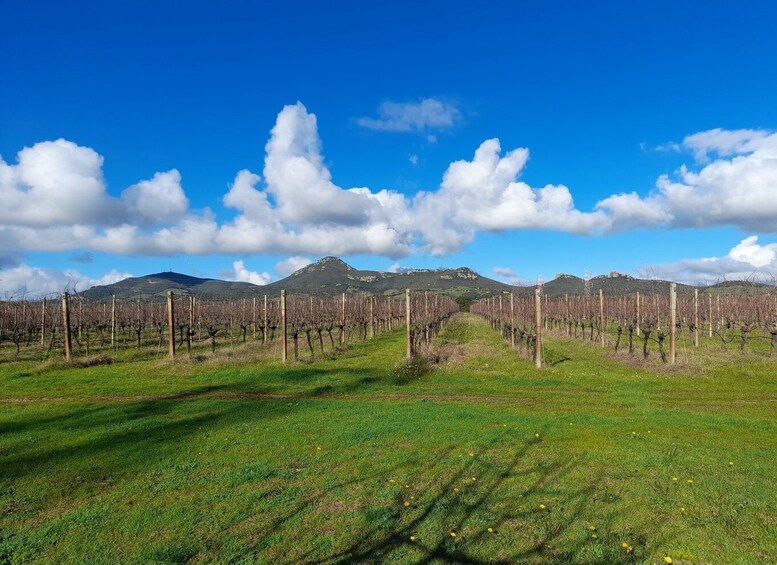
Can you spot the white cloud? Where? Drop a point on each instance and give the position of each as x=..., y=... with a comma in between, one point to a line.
x=484, y=194
x=506, y=274
x=27, y=281
x=427, y=114
x=291, y=265
x=737, y=189
x=159, y=200
x=55, y=199
x=748, y=260
x=240, y=273
x=413, y=159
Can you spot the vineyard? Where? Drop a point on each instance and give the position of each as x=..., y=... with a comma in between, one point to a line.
x=287, y=326
x=301, y=325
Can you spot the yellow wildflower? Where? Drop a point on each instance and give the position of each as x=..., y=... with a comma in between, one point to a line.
x=412, y=538
x=668, y=559
x=453, y=534
x=674, y=478
x=407, y=503
x=542, y=507
x=690, y=481
x=624, y=545
x=490, y=530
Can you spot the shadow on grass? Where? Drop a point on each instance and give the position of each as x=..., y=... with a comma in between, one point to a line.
x=377, y=543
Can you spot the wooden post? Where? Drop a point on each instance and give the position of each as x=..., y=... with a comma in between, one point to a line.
x=284, y=352
x=537, y=328
x=409, y=353
x=566, y=315
x=264, y=337
x=342, y=317
x=253, y=315
x=709, y=312
x=113, y=321
x=696, y=317
x=601, y=317
x=372, y=318
x=672, y=323
x=66, y=326
x=190, y=330
x=512, y=320
x=170, y=326
x=501, y=320
x=43, y=323
x=638, y=319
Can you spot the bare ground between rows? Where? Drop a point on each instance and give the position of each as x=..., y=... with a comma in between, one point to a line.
x=371, y=397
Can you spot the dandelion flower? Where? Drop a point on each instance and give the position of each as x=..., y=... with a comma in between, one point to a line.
x=594, y=536
x=674, y=478
x=731, y=463
x=455, y=489
x=392, y=480
x=318, y=449
x=690, y=481
x=407, y=503
x=624, y=545
x=413, y=538
x=542, y=507
x=629, y=549
x=453, y=534
x=474, y=478
x=682, y=509
x=472, y=455
x=536, y=435
x=490, y=530
x=412, y=498
x=633, y=433
x=668, y=559
x=592, y=528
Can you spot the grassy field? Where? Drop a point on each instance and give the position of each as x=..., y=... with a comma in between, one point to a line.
x=482, y=459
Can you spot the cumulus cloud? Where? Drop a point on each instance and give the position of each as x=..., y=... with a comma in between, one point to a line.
x=737, y=188
x=485, y=194
x=27, y=281
x=748, y=260
x=292, y=264
x=159, y=200
x=55, y=199
x=240, y=273
x=428, y=114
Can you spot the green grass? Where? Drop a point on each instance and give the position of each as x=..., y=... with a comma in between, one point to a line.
x=236, y=458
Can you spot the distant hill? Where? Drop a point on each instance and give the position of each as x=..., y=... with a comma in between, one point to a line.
x=158, y=284
x=331, y=275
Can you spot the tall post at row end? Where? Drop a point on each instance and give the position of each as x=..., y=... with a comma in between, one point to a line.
x=284, y=352
x=512, y=320
x=672, y=323
x=66, y=326
x=409, y=353
x=601, y=317
x=170, y=326
x=537, y=328
x=696, y=317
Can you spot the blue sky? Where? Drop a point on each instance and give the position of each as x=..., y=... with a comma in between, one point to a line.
x=607, y=98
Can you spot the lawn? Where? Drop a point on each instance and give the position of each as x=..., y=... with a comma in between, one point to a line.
x=482, y=459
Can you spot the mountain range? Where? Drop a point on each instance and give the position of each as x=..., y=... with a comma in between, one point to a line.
x=331, y=275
